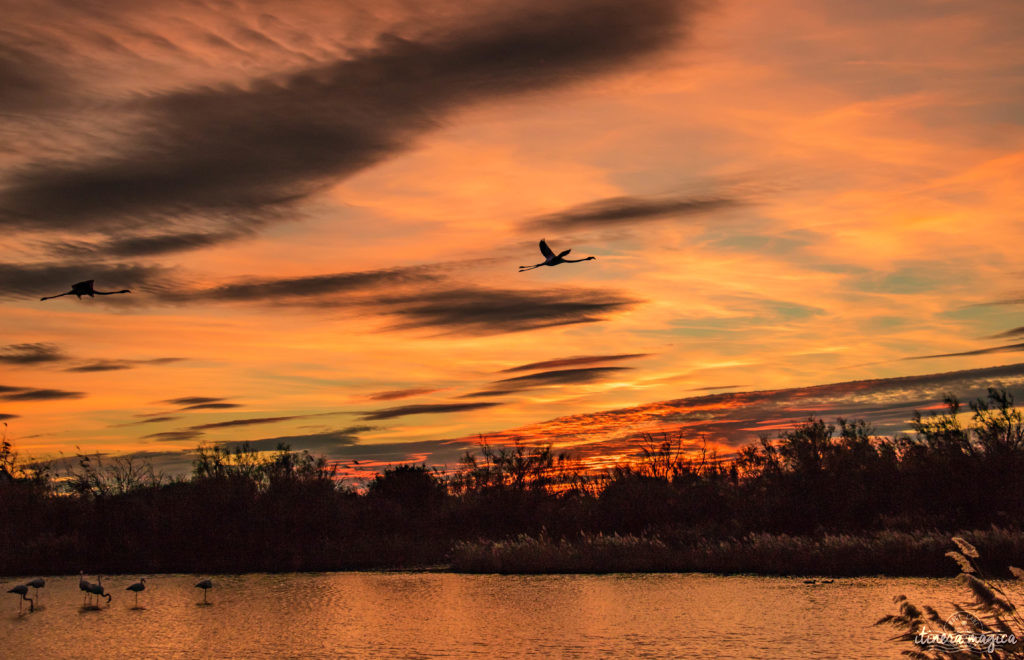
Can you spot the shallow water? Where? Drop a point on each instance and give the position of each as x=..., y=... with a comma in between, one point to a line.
x=415, y=615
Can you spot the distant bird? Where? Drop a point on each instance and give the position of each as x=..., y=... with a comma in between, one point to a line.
x=137, y=587
x=37, y=584
x=552, y=259
x=85, y=289
x=98, y=590
x=204, y=585
x=21, y=590
x=84, y=585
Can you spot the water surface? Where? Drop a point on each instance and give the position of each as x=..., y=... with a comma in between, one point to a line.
x=420, y=615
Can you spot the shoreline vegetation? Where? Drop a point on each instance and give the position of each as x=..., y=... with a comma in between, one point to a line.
x=821, y=499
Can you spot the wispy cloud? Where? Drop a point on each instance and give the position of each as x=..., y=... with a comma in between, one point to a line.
x=424, y=409
x=225, y=150
x=31, y=353
x=33, y=394
x=391, y=395
x=118, y=365
x=482, y=311
x=325, y=441
x=575, y=361
x=626, y=210
x=1009, y=348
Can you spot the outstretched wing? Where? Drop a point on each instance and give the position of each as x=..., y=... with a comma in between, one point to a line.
x=545, y=250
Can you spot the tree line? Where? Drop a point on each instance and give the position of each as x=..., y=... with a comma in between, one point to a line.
x=243, y=510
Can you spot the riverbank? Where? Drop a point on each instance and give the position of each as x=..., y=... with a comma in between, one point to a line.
x=888, y=553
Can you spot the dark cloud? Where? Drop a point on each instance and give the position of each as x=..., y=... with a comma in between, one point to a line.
x=221, y=151
x=41, y=279
x=575, y=361
x=558, y=377
x=31, y=353
x=244, y=422
x=484, y=394
x=481, y=311
x=218, y=405
x=715, y=387
x=146, y=245
x=32, y=394
x=153, y=420
x=5, y=416
x=117, y=365
x=424, y=409
x=391, y=395
x=625, y=210
x=325, y=441
x=1009, y=334
x=316, y=286
x=173, y=436
x=1009, y=348
x=192, y=400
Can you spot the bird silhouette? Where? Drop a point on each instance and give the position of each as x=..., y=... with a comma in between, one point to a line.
x=85, y=289
x=552, y=259
x=204, y=585
x=137, y=587
x=84, y=585
x=98, y=590
x=36, y=584
x=21, y=590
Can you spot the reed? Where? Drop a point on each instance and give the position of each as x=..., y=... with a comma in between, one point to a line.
x=988, y=625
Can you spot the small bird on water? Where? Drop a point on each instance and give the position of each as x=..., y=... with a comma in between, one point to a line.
x=85, y=289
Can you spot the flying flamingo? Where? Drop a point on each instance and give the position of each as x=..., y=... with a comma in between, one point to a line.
x=37, y=584
x=98, y=590
x=85, y=289
x=137, y=587
x=204, y=585
x=21, y=590
x=552, y=259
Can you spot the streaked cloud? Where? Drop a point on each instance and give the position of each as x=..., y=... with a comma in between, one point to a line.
x=574, y=361
x=31, y=353
x=424, y=409
x=626, y=211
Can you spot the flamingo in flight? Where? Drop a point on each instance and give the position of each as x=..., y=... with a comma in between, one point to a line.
x=552, y=259
x=85, y=289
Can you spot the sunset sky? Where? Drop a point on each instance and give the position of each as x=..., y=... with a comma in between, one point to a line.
x=320, y=208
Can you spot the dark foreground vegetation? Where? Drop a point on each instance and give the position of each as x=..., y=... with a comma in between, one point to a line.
x=825, y=499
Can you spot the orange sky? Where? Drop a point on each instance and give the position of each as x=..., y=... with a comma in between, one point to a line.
x=321, y=207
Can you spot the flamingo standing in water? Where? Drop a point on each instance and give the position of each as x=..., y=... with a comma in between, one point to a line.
x=36, y=584
x=137, y=587
x=85, y=289
x=22, y=590
x=84, y=585
x=204, y=585
x=552, y=259
x=98, y=590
